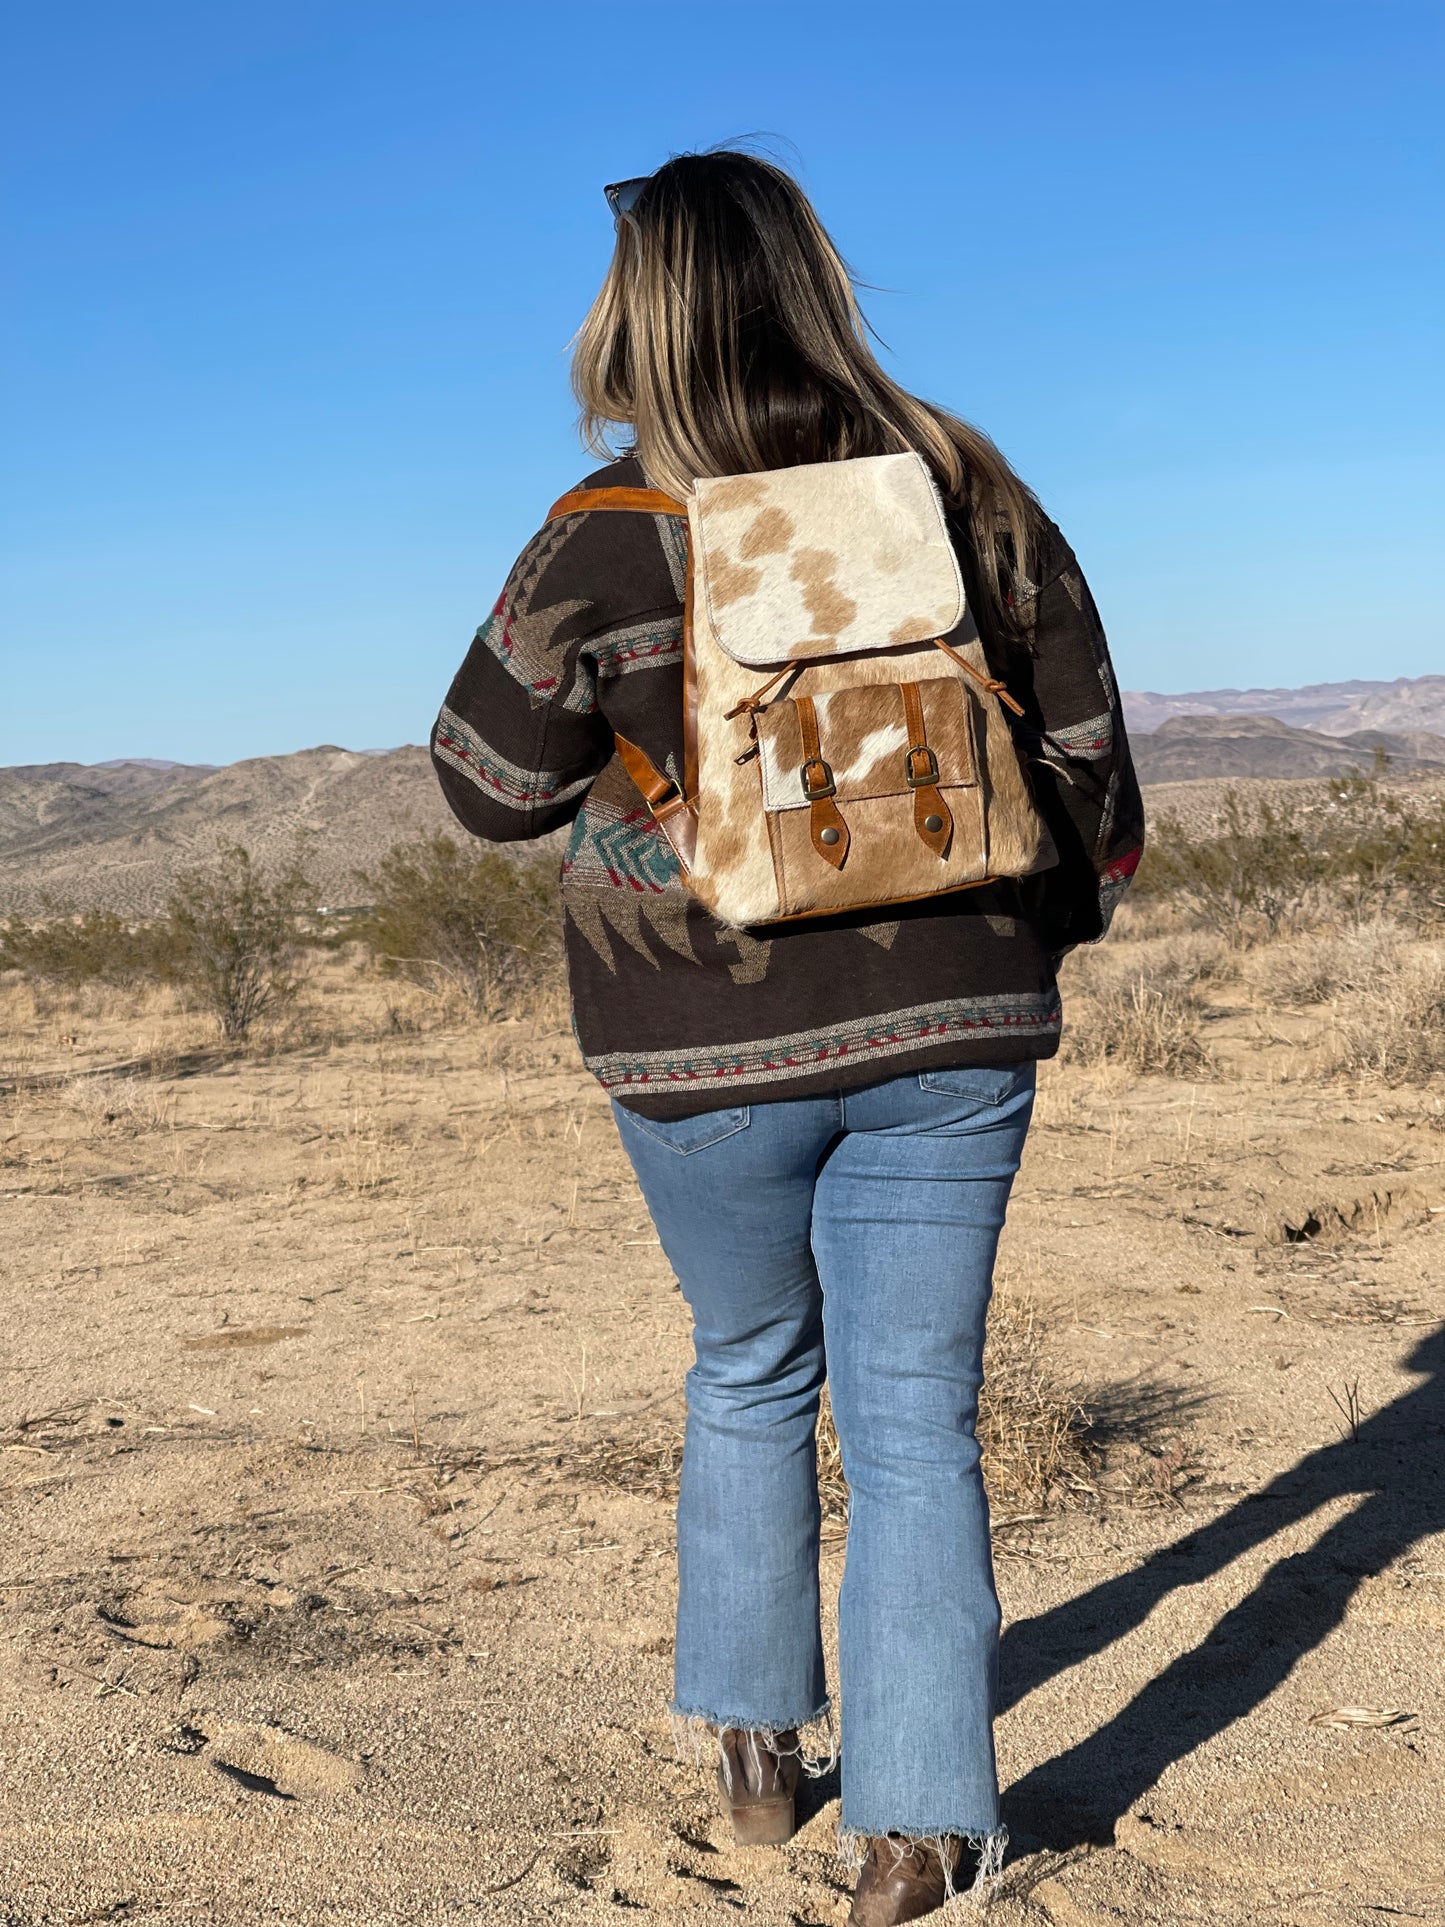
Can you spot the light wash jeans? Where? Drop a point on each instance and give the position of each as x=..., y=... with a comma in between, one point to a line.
x=851, y=1235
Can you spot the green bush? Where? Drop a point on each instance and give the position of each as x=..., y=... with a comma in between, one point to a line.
x=69, y=948
x=1270, y=865
x=1253, y=874
x=233, y=938
x=1392, y=858
x=471, y=921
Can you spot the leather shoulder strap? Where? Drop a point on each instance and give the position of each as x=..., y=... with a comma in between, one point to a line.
x=642, y=501
x=670, y=809
x=656, y=786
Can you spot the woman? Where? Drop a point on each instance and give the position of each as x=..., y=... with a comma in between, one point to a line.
x=825, y=1116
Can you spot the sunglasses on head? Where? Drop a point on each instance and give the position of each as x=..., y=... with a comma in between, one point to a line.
x=623, y=196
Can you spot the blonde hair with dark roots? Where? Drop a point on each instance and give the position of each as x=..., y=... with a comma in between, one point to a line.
x=728, y=336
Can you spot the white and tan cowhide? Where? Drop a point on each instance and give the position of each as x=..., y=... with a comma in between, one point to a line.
x=825, y=559
x=843, y=574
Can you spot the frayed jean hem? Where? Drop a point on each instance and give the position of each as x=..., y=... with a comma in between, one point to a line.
x=988, y=1848
x=696, y=1736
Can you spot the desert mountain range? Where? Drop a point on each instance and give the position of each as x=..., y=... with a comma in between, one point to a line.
x=1332, y=708
x=1187, y=748
x=114, y=835
x=1323, y=729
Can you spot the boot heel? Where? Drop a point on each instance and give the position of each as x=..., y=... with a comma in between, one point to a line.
x=756, y=1787
x=764, y=1823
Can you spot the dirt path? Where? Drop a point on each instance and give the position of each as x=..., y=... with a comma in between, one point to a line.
x=316, y=1605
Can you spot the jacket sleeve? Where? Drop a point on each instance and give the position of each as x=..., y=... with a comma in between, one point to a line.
x=520, y=737
x=1078, y=749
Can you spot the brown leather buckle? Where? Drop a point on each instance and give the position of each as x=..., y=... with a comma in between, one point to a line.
x=827, y=787
x=930, y=767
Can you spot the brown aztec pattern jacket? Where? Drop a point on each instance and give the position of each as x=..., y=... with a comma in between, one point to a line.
x=677, y=1012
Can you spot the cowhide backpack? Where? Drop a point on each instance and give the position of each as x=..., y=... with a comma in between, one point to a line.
x=844, y=741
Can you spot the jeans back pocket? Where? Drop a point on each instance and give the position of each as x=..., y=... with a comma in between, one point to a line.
x=984, y=1083
x=685, y=1135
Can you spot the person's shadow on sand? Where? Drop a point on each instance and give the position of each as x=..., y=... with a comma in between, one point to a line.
x=1397, y=1461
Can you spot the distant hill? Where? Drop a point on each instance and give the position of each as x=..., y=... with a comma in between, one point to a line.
x=1332, y=708
x=1184, y=748
x=115, y=835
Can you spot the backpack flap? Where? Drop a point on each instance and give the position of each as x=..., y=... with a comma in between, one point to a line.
x=830, y=559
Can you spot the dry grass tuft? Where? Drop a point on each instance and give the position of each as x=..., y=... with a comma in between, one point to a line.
x=1139, y=1005
x=1033, y=1428
x=1032, y=1425
x=369, y=1157
x=1142, y=1023
x=126, y=1104
x=1395, y=1028
x=832, y=1482
x=649, y=1464
x=1149, y=1027
x=1312, y=969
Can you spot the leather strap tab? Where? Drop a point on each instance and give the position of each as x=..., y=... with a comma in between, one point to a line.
x=932, y=818
x=643, y=501
x=826, y=824
x=678, y=822
x=671, y=811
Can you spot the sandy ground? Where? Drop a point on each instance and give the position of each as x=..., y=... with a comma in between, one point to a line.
x=315, y=1604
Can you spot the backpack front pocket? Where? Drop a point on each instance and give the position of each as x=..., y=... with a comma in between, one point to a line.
x=871, y=794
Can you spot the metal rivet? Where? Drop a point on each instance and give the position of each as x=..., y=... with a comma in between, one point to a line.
x=828, y=836
x=933, y=824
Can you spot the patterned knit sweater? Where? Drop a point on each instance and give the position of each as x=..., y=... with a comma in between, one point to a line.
x=676, y=1012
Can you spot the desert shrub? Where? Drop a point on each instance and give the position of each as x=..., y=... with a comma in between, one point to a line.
x=1393, y=1026
x=69, y=948
x=1387, y=852
x=1252, y=877
x=1271, y=866
x=470, y=921
x=234, y=938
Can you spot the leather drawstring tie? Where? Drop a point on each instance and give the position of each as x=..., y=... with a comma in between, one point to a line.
x=750, y=705
x=990, y=683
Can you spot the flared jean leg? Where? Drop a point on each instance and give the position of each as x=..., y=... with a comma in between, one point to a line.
x=749, y=1647
x=910, y=1203
x=733, y=1214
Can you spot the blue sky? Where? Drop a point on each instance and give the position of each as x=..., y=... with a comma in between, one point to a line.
x=290, y=287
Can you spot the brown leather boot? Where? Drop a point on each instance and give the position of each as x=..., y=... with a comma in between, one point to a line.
x=757, y=1786
x=902, y=1880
